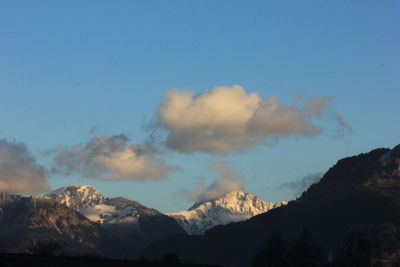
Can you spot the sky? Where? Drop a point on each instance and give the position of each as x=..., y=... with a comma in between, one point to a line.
x=168, y=102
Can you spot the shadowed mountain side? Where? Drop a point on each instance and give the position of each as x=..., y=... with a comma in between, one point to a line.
x=150, y=225
x=26, y=221
x=358, y=194
x=132, y=224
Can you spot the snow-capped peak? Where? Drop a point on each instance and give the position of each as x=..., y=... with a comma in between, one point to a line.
x=233, y=207
x=76, y=197
x=89, y=202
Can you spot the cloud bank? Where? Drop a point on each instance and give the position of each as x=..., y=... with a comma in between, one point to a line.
x=228, y=181
x=110, y=158
x=227, y=119
x=19, y=172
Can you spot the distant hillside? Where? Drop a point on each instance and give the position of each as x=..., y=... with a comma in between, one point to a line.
x=356, y=202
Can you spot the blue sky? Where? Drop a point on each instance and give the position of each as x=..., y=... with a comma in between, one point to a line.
x=66, y=67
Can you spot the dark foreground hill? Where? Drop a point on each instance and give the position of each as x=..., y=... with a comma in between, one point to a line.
x=25, y=260
x=353, y=214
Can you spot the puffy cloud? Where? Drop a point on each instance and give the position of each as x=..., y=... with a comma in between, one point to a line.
x=226, y=119
x=110, y=157
x=227, y=181
x=19, y=171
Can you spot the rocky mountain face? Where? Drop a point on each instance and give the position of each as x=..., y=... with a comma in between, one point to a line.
x=353, y=210
x=233, y=207
x=128, y=221
x=26, y=221
x=81, y=221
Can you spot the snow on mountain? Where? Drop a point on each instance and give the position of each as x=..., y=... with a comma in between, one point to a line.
x=76, y=197
x=233, y=207
x=110, y=213
x=89, y=202
x=98, y=213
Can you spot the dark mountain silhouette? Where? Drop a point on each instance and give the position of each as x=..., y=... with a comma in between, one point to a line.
x=353, y=213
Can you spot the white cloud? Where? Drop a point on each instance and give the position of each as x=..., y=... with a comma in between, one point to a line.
x=19, y=172
x=110, y=157
x=228, y=181
x=226, y=119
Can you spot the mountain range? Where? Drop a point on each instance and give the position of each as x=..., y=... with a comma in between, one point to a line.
x=82, y=220
x=126, y=214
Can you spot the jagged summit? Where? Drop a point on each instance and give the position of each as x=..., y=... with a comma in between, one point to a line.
x=227, y=199
x=238, y=201
x=76, y=197
x=233, y=207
